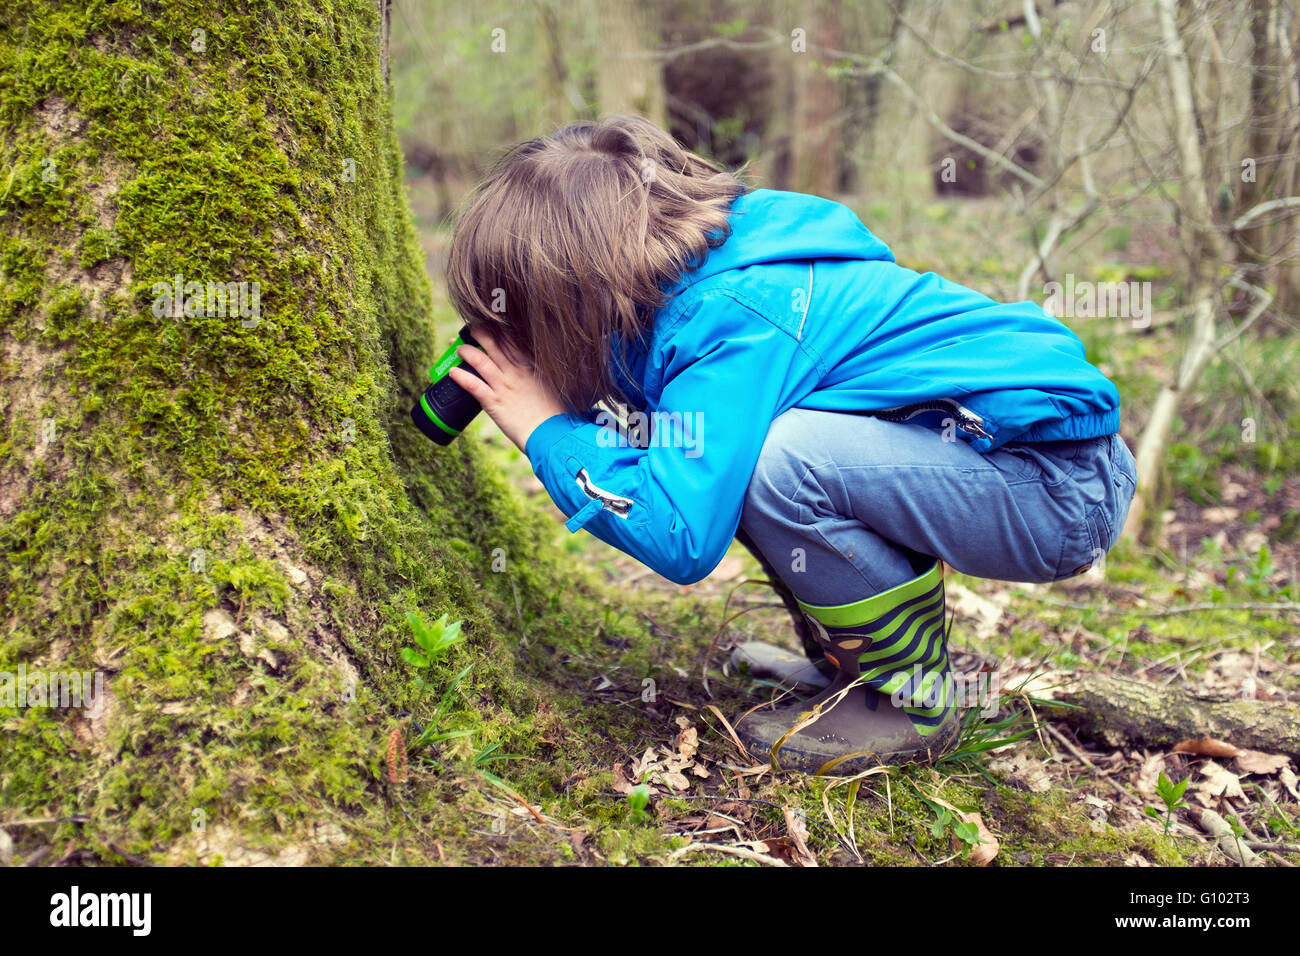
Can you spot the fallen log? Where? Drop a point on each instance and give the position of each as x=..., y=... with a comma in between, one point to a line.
x=1121, y=710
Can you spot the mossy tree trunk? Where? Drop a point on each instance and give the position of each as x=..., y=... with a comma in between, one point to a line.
x=217, y=502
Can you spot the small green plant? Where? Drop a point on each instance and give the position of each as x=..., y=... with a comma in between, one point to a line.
x=980, y=734
x=487, y=756
x=637, y=801
x=967, y=831
x=1172, y=795
x=1260, y=572
x=1238, y=831
x=432, y=643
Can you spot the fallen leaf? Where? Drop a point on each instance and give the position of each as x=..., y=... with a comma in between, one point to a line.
x=621, y=783
x=1137, y=859
x=1024, y=771
x=798, y=830
x=1255, y=761
x=1152, y=767
x=648, y=761
x=673, y=779
x=986, y=612
x=1206, y=747
x=1219, y=781
x=1290, y=781
x=981, y=855
x=688, y=739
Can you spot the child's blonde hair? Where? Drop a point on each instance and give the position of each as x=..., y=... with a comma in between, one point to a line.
x=575, y=236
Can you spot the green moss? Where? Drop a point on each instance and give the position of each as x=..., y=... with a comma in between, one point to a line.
x=273, y=442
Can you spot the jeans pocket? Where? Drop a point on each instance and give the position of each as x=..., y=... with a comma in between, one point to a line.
x=1085, y=545
x=1017, y=464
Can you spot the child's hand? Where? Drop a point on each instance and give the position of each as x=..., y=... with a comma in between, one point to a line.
x=512, y=394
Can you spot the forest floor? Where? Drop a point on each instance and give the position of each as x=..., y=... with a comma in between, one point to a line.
x=649, y=770
x=644, y=687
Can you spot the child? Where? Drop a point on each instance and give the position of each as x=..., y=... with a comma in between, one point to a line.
x=857, y=423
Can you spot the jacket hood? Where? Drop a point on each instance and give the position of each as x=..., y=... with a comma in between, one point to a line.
x=769, y=225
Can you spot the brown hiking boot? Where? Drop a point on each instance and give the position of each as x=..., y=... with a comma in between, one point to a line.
x=891, y=655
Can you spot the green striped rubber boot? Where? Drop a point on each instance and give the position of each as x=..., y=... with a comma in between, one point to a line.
x=891, y=651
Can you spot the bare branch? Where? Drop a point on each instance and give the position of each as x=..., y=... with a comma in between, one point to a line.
x=1263, y=209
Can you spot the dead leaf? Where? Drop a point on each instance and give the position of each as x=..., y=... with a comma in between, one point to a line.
x=1255, y=761
x=741, y=811
x=1152, y=767
x=985, y=610
x=984, y=853
x=688, y=739
x=1290, y=781
x=621, y=783
x=798, y=831
x=1024, y=771
x=1137, y=859
x=1219, y=782
x=647, y=762
x=1207, y=747
x=674, y=779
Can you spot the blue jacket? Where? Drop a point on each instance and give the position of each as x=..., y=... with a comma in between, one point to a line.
x=802, y=306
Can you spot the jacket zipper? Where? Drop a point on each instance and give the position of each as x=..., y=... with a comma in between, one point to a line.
x=612, y=502
x=966, y=420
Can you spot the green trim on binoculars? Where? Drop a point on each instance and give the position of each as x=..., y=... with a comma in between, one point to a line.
x=436, y=420
x=446, y=362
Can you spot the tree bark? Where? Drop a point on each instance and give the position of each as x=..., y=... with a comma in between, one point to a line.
x=1119, y=710
x=627, y=81
x=1206, y=253
x=815, y=143
x=215, y=501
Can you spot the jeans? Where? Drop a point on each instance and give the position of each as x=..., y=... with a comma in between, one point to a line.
x=839, y=504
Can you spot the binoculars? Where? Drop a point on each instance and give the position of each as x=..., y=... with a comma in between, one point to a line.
x=445, y=408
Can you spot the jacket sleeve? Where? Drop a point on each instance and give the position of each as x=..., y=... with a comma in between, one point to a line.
x=676, y=504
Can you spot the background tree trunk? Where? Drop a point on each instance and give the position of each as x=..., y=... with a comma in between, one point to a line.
x=227, y=513
x=816, y=142
x=628, y=81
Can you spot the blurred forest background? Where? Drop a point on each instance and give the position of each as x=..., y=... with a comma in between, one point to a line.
x=1000, y=145
x=1132, y=166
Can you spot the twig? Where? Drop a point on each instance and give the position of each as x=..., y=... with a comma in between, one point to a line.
x=1083, y=758
x=35, y=821
x=130, y=857
x=739, y=851
x=1226, y=838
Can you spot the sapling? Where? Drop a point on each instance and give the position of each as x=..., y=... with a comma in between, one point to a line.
x=1172, y=795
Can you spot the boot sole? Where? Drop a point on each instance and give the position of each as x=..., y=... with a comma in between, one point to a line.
x=792, y=758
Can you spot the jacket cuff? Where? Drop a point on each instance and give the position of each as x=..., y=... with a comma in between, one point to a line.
x=544, y=436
